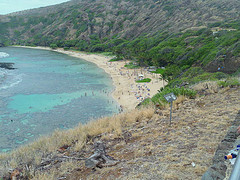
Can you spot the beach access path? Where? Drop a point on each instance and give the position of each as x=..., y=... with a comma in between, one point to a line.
x=127, y=92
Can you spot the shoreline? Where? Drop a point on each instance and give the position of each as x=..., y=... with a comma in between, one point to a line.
x=127, y=92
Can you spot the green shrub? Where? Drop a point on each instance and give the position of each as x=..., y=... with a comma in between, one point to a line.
x=115, y=59
x=131, y=66
x=159, y=97
x=237, y=73
x=53, y=46
x=144, y=80
x=203, y=77
x=66, y=48
x=229, y=82
x=194, y=71
x=98, y=48
x=158, y=71
x=195, y=75
x=219, y=75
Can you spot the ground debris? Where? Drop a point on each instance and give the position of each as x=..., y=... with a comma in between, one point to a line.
x=15, y=174
x=100, y=158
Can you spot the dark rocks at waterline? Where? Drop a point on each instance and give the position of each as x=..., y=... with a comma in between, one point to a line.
x=8, y=66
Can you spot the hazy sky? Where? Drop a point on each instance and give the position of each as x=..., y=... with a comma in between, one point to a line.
x=8, y=6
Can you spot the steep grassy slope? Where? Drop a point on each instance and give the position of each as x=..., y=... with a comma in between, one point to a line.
x=142, y=140
x=94, y=22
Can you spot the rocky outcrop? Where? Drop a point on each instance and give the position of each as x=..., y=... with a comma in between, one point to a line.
x=8, y=66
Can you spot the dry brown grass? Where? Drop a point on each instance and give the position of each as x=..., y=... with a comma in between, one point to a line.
x=179, y=100
x=209, y=86
x=154, y=150
x=35, y=152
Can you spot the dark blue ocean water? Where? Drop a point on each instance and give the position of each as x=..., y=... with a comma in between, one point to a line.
x=48, y=91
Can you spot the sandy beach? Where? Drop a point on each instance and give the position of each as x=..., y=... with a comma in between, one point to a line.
x=127, y=92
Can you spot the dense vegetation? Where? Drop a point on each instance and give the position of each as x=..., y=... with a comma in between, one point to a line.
x=159, y=97
x=98, y=25
x=133, y=30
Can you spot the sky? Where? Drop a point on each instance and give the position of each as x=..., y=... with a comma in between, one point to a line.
x=9, y=6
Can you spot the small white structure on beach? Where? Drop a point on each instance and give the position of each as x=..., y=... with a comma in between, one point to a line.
x=140, y=76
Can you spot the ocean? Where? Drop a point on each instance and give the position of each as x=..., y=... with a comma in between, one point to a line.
x=45, y=91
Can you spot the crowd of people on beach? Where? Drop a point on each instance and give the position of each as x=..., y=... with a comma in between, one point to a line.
x=139, y=90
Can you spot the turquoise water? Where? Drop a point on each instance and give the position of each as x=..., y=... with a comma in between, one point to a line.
x=48, y=91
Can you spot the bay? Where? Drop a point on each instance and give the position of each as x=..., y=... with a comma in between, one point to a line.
x=47, y=90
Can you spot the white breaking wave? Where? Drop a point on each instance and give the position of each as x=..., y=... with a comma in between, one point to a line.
x=8, y=78
x=3, y=54
x=10, y=82
x=3, y=75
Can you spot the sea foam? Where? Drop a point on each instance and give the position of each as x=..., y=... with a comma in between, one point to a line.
x=8, y=79
x=12, y=80
x=3, y=54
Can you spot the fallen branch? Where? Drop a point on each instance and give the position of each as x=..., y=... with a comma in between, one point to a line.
x=100, y=158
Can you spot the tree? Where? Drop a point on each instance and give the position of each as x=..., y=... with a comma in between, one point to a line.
x=53, y=46
x=164, y=78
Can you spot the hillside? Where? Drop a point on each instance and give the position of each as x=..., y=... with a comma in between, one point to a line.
x=176, y=34
x=102, y=20
x=194, y=45
x=142, y=141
